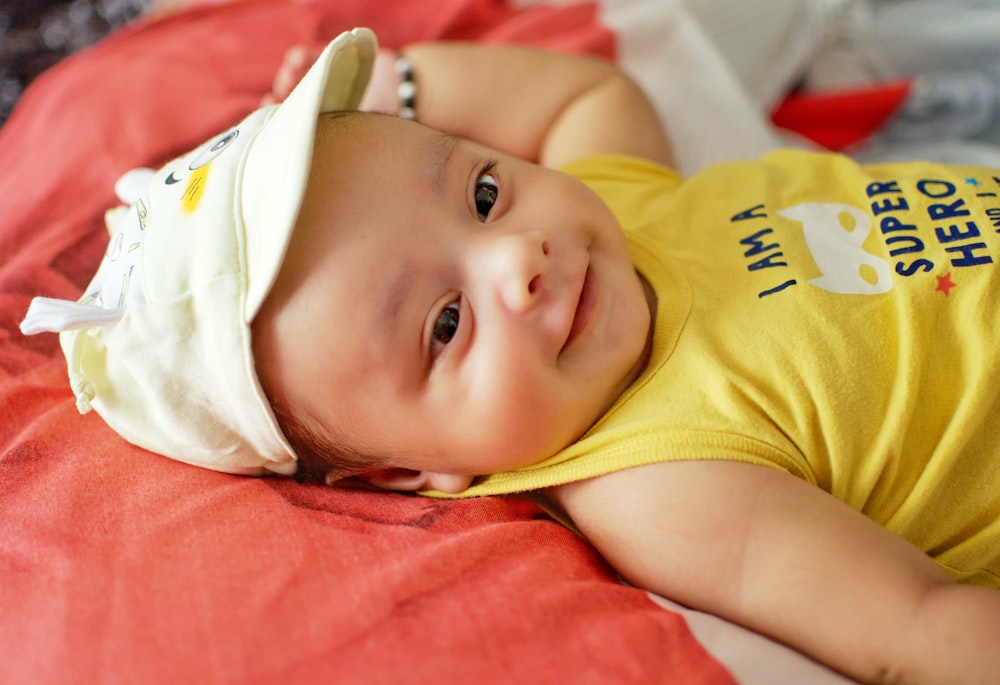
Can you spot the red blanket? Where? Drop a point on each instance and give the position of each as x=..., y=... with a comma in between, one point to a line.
x=117, y=565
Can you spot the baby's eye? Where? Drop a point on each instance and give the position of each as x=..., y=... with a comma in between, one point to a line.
x=446, y=325
x=487, y=190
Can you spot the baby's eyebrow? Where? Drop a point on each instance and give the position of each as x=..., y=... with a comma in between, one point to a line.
x=442, y=148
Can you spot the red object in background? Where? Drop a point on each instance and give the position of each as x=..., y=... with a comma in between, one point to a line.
x=839, y=120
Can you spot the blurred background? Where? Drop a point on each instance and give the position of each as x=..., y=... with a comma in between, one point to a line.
x=35, y=34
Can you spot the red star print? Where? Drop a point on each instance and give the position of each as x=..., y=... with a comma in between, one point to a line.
x=945, y=284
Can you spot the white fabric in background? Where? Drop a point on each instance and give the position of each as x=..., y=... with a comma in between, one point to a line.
x=884, y=40
x=663, y=47
x=770, y=44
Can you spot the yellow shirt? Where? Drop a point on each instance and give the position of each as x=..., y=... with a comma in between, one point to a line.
x=833, y=321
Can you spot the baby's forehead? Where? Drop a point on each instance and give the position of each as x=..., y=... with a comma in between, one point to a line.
x=379, y=132
x=381, y=159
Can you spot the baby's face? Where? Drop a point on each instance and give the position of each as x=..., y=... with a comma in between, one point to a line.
x=447, y=308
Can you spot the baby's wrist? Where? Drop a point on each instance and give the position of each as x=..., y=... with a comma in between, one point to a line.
x=406, y=90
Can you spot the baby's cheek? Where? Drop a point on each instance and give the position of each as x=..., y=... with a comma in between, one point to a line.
x=513, y=411
x=539, y=429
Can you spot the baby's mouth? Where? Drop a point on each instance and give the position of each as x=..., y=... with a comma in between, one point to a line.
x=585, y=306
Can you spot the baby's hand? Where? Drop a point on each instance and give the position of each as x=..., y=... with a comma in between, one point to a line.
x=383, y=89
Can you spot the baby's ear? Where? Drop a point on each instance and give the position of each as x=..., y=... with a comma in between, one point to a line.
x=408, y=480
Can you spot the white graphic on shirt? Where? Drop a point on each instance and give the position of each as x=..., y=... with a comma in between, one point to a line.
x=835, y=234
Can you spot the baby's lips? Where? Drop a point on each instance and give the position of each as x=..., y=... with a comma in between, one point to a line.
x=583, y=312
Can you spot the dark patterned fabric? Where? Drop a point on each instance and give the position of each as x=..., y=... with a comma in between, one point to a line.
x=35, y=34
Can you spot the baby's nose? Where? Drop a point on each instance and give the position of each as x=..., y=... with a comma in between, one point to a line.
x=516, y=265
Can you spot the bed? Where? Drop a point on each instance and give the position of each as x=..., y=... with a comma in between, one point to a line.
x=119, y=566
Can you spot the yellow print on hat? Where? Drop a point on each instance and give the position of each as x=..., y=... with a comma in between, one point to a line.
x=195, y=188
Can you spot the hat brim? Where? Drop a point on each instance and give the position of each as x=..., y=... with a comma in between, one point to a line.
x=278, y=160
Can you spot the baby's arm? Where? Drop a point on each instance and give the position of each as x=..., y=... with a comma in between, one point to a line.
x=537, y=105
x=778, y=555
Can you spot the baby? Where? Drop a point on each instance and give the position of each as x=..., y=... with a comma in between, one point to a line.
x=766, y=392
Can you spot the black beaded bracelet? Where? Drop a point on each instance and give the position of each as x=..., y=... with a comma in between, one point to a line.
x=407, y=89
